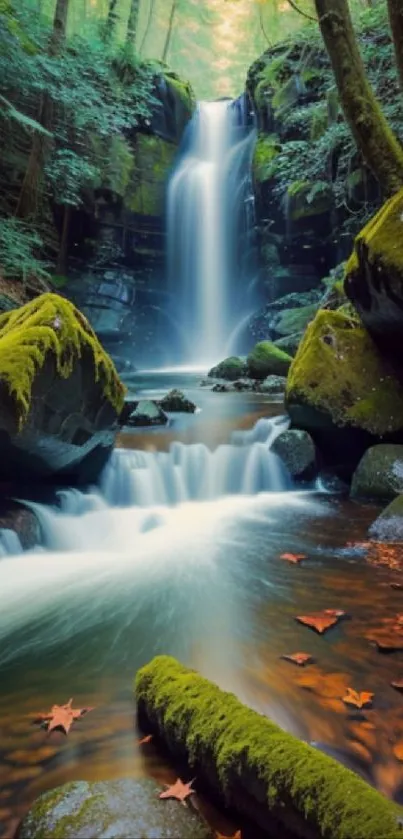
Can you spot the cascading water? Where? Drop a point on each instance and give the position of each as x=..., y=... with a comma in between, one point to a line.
x=209, y=213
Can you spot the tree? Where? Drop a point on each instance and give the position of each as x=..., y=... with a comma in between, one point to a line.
x=395, y=10
x=380, y=148
x=148, y=25
x=169, y=30
x=111, y=20
x=132, y=24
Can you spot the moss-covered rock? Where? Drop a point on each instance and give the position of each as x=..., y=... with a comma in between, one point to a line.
x=146, y=188
x=388, y=527
x=341, y=390
x=374, y=276
x=290, y=343
x=60, y=393
x=175, y=401
x=304, y=200
x=297, y=451
x=260, y=770
x=231, y=368
x=291, y=321
x=125, y=808
x=379, y=473
x=266, y=359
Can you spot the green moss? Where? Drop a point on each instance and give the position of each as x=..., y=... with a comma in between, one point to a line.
x=295, y=320
x=306, y=198
x=338, y=370
x=183, y=90
x=145, y=192
x=50, y=324
x=250, y=754
x=266, y=150
x=379, y=242
x=231, y=368
x=266, y=359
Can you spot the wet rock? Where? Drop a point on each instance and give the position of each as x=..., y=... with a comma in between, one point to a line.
x=120, y=809
x=289, y=343
x=291, y=321
x=147, y=412
x=380, y=473
x=17, y=519
x=271, y=384
x=60, y=395
x=231, y=368
x=223, y=387
x=297, y=451
x=176, y=401
x=266, y=360
x=388, y=527
x=244, y=384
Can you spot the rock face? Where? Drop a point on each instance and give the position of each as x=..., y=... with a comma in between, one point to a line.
x=125, y=808
x=261, y=771
x=267, y=360
x=231, y=368
x=374, y=277
x=297, y=451
x=388, y=527
x=342, y=391
x=176, y=402
x=380, y=473
x=60, y=395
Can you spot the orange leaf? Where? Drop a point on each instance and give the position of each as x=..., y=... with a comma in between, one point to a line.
x=298, y=658
x=62, y=716
x=358, y=700
x=293, y=558
x=145, y=740
x=321, y=621
x=178, y=790
x=398, y=751
x=236, y=835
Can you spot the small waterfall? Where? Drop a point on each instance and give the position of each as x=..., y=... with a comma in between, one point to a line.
x=208, y=216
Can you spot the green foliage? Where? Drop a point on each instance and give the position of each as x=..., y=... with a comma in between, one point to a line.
x=19, y=249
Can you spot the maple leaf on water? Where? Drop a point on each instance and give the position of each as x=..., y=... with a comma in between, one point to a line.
x=321, y=621
x=178, y=790
x=358, y=700
x=62, y=716
x=144, y=740
x=298, y=658
x=293, y=558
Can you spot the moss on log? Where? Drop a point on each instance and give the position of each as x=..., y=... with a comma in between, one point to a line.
x=257, y=768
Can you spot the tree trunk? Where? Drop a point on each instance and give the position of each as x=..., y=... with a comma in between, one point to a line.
x=111, y=20
x=169, y=32
x=380, y=148
x=395, y=9
x=41, y=144
x=132, y=24
x=148, y=24
x=61, y=265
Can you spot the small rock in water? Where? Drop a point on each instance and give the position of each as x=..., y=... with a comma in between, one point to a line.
x=271, y=384
x=176, y=401
x=123, y=808
x=297, y=451
x=147, y=413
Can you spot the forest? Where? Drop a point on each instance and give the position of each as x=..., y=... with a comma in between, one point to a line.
x=201, y=419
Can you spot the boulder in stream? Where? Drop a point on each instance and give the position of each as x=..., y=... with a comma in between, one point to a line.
x=124, y=808
x=147, y=412
x=297, y=451
x=230, y=368
x=60, y=395
x=379, y=473
x=271, y=384
x=175, y=401
x=266, y=359
x=388, y=527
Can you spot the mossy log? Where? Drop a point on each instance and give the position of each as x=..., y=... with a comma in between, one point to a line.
x=266, y=774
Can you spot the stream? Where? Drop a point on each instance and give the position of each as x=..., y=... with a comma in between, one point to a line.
x=177, y=551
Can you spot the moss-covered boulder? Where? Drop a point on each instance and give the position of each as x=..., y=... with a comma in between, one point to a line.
x=374, y=277
x=341, y=390
x=60, y=395
x=266, y=360
x=120, y=809
x=388, y=527
x=292, y=321
x=379, y=473
x=290, y=343
x=175, y=401
x=231, y=368
x=297, y=451
x=287, y=786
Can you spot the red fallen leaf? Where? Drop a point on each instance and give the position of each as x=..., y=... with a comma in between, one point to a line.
x=398, y=685
x=294, y=558
x=145, y=740
x=62, y=716
x=398, y=751
x=298, y=658
x=236, y=835
x=321, y=621
x=358, y=700
x=178, y=790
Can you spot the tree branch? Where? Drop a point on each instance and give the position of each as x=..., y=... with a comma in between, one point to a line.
x=304, y=14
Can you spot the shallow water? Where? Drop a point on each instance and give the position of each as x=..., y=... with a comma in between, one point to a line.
x=202, y=580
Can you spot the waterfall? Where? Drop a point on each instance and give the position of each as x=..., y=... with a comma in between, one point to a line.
x=210, y=210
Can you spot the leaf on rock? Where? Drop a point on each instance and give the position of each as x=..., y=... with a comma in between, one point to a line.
x=293, y=558
x=298, y=658
x=145, y=740
x=178, y=790
x=62, y=716
x=321, y=621
x=358, y=700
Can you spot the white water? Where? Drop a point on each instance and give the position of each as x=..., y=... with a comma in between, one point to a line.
x=206, y=198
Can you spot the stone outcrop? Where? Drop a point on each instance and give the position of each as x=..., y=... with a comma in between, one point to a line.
x=265, y=359
x=259, y=770
x=60, y=395
x=379, y=474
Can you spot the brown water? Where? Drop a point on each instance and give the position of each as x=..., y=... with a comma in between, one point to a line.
x=222, y=600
